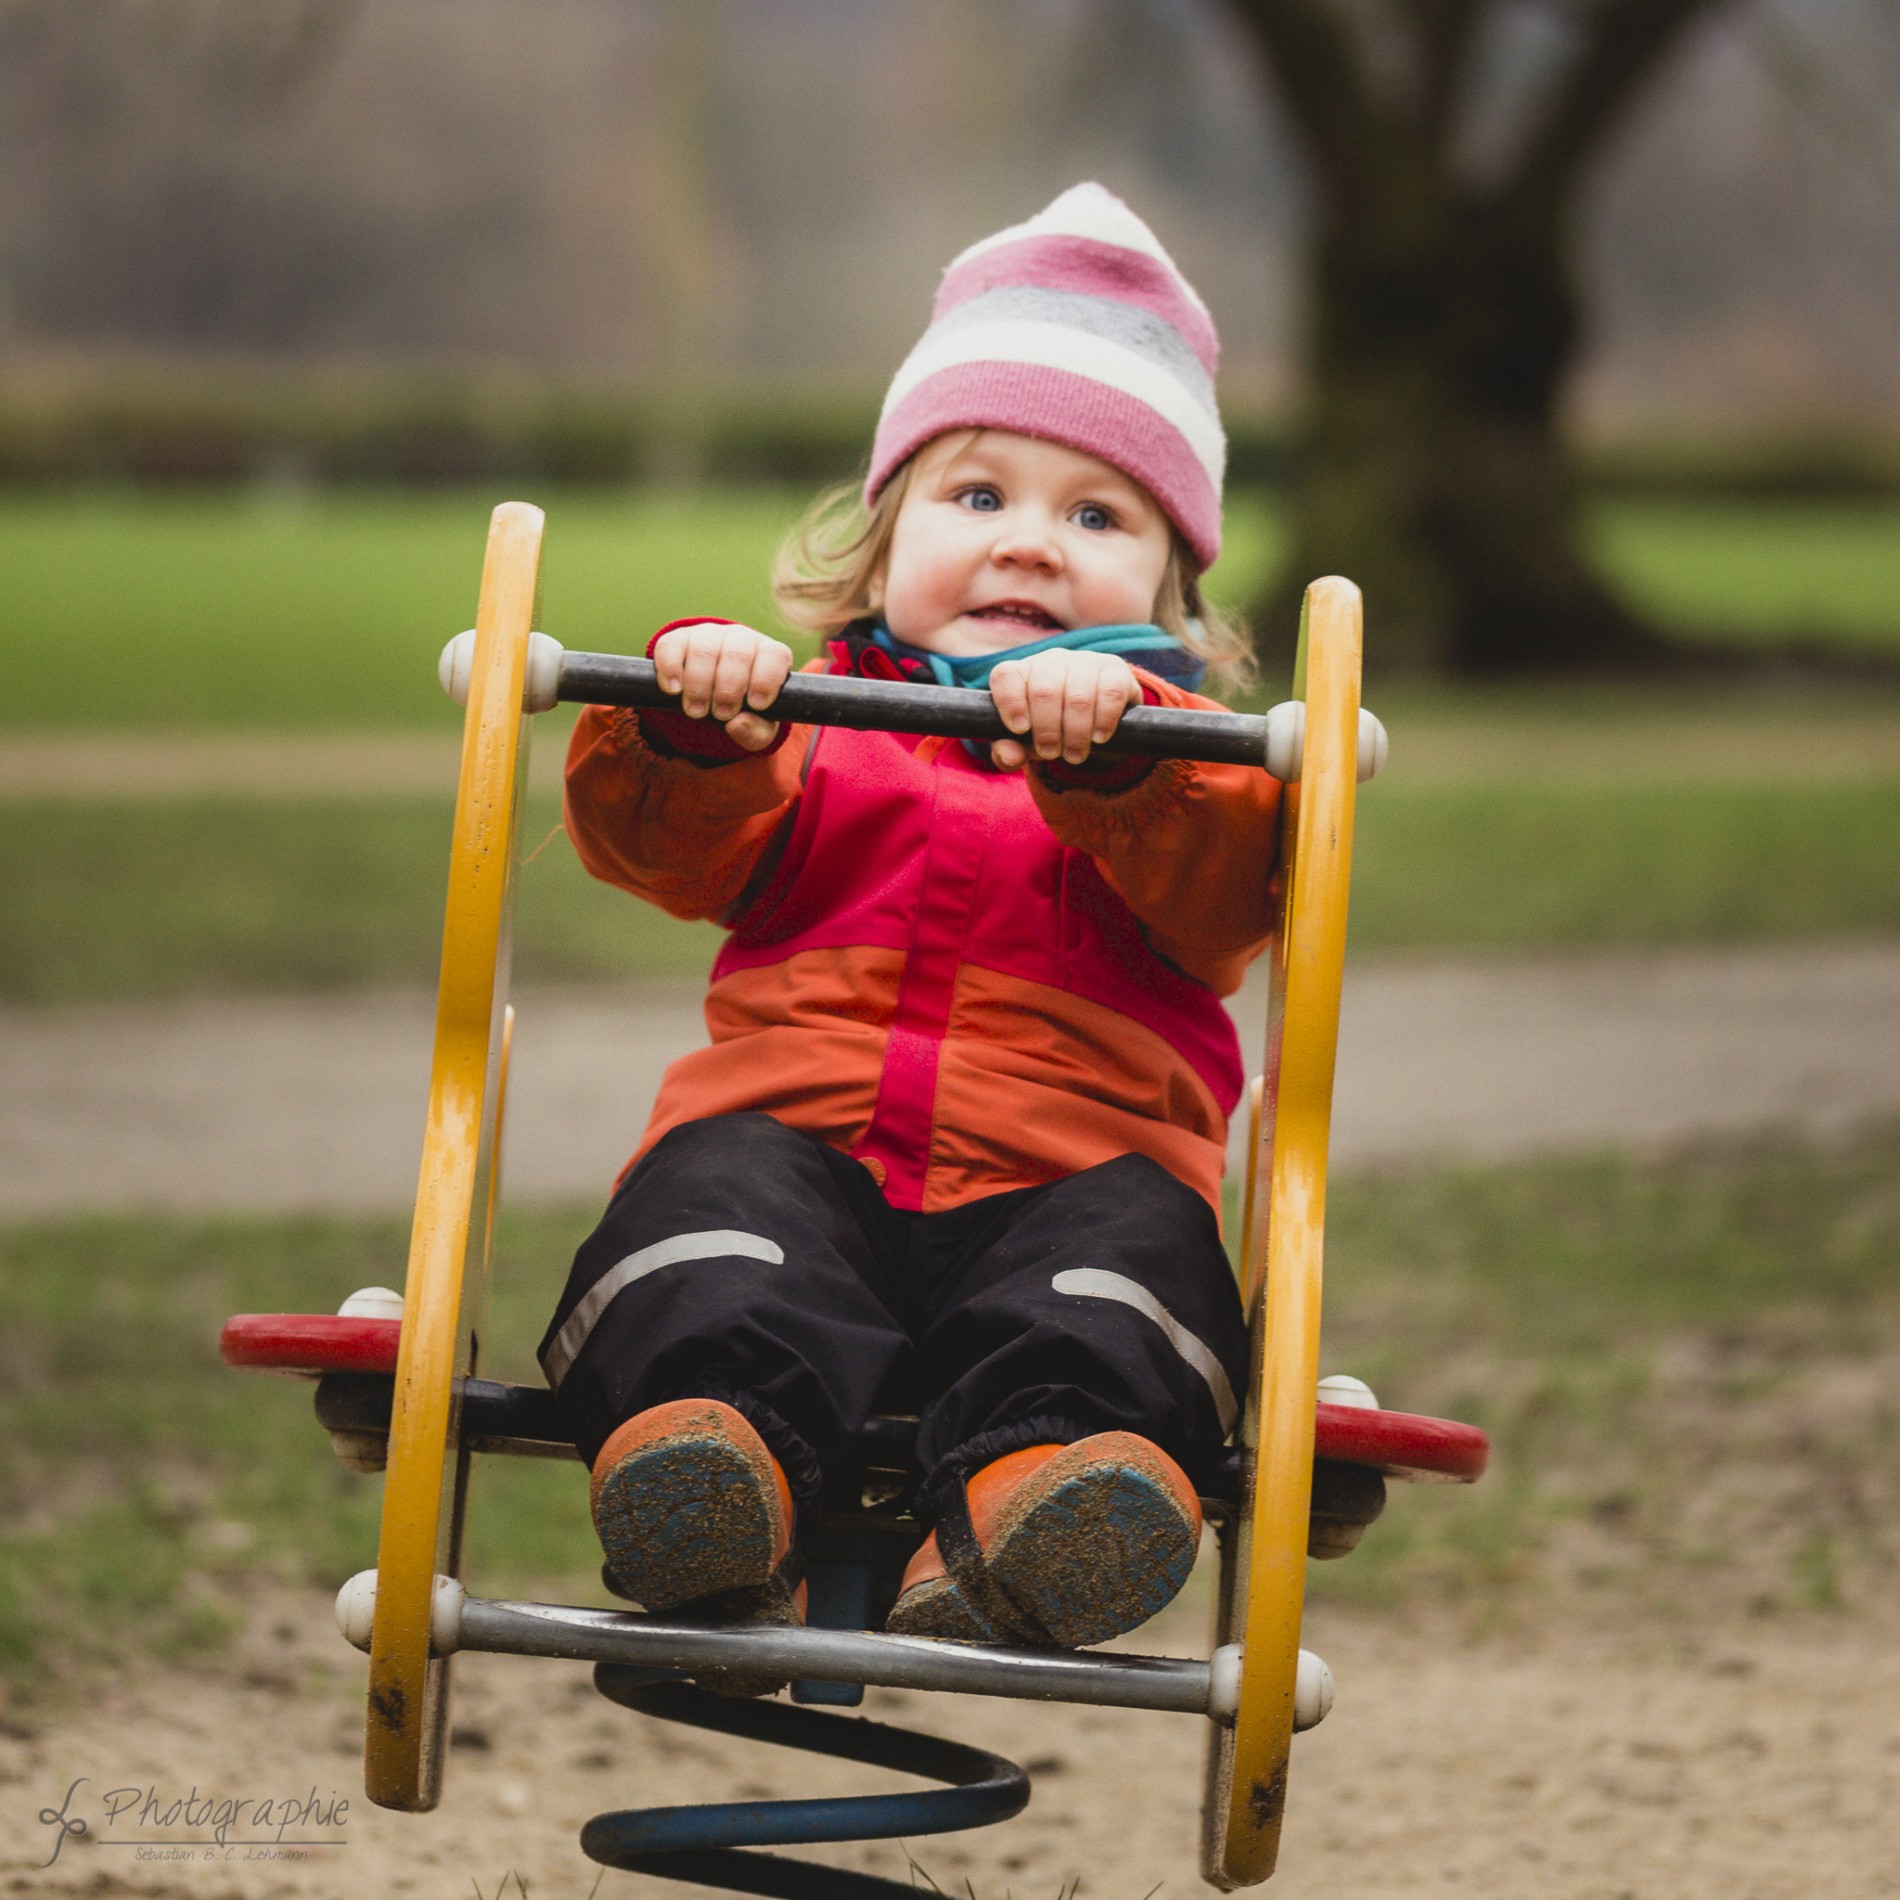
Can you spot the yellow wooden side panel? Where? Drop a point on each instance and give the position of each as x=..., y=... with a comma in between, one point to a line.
x=1265, y=1579
x=445, y=1292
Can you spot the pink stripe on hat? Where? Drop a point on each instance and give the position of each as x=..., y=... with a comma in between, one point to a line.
x=1060, y=406
x=1089, y=269
x=1075, y=326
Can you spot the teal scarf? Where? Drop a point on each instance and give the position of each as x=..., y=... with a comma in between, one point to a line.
x=1143, y=645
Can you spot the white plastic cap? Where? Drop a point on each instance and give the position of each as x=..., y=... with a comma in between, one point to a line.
x=1223, y=1683
x=356, y=1612
x=445, y=1624
x=1286, y=741
x=540, y=686
x=1312, y=1692
x=356, y=1608
x=372, y=1302
x=1341, y=1388
x=458, y=659
x=367, y=1452
x=1373, y=745
x=1312, y=1687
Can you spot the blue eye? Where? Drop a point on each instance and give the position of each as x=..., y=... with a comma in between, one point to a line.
x=986, y=501
x=1094, y=516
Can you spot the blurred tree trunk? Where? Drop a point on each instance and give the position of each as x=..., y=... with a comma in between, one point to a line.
x=683, y=228
x=1444, y=317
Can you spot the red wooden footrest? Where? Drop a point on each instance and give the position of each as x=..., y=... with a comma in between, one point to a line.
x=1401, y=1444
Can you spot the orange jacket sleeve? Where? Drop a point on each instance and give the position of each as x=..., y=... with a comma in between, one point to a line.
x=685, y=836
x=1190, y=849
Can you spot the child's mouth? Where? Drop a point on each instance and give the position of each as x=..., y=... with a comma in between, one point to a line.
x=1018, y=613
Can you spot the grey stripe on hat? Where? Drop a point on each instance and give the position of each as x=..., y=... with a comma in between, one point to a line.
x=1107, y=317
x=717, y=1243
x=1093, y=1283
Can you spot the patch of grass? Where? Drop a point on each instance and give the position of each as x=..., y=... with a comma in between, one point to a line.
x=142, y=1481
x=177, y=611
x=1687, y=1368
x=1684, y=1365
x=1656, y=734
x=1823, y=572
x=217, y=895
x=199, y=896
x=1491, y=866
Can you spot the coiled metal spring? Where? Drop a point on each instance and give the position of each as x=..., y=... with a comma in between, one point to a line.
x=704, y=1843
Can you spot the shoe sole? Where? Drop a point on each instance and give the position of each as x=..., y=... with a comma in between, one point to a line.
x=938, y=1609
x=1092, y=1555
x=685, y=1517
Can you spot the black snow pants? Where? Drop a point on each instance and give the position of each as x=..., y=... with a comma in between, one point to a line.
x=746, y=1261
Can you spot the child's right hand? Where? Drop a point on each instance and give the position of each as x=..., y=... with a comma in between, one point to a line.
x=725, y=672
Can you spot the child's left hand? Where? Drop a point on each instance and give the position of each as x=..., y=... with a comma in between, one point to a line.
x=1063, y=703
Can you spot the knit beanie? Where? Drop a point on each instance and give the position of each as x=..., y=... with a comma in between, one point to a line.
x=1078, y=328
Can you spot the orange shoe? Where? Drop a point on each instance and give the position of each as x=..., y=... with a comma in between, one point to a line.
x=1055, y=1544
x=694, y=1513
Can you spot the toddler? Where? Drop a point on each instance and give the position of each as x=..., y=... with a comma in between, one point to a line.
x=955, y=1145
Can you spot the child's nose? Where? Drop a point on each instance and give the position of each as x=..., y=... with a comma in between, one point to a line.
x=1027, y=544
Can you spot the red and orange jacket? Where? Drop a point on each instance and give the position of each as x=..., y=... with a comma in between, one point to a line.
x=971, y=981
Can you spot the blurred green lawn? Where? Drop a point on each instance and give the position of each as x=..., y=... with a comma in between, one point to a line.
x=178, y=612
x=1826, y=573
x=1678, y=1361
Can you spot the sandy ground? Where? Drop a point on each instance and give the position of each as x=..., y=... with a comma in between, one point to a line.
x=292, y=1103
x=1759, y=1762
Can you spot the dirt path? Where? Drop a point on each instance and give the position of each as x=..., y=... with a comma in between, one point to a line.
x=276, y=1104
x=119, y=765
x=1749, y=740
x=1685, y=1763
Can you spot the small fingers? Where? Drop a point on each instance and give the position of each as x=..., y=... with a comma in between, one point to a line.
x=1117, y=690
x=1009, y=688
x=771, y=667
x=1076, y=701
x=718, y=670
x=1080, y=693
x=1048, y=684
x=669, y=658
x=698, y=668
x=732, y=676
x=750, y=731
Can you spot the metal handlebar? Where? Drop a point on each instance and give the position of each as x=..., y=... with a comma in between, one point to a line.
x=1275, y=740
x=818, y=699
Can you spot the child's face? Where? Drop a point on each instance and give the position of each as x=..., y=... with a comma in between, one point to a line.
x=1003, y=539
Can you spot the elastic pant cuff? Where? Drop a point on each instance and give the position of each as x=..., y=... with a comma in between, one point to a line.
x=986, y=1447
x=796, y=1458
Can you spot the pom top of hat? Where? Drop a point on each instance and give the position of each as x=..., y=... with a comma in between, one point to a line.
x=1092, y=212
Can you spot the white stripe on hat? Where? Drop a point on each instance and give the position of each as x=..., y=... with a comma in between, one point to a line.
x=1128, y=324
x=1053, y=346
